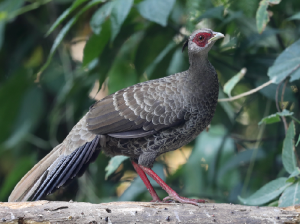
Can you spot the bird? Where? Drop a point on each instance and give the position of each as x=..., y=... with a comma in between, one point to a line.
x=142, y=122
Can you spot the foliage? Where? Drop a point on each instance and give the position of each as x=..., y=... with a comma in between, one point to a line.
x=114, y=164
x=273, y=118
x=45, y=88
x=286, y=64
x=228, y=86
x=262, y=14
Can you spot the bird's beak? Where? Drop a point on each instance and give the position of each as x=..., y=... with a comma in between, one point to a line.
x=215, y=37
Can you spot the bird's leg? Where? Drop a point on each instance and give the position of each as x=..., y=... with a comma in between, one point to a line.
x=172, y=194
x=146, y=181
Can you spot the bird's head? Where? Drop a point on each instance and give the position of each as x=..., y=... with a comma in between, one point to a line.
x=201, y=41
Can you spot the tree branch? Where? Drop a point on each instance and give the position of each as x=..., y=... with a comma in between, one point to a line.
x=280, y=106
x=246, y=93
x=142, y=212
x=282, y=97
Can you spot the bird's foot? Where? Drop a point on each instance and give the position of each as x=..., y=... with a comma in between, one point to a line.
x=183, y=200
x=173, y=196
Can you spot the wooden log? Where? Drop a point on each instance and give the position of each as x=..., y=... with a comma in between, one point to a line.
x=44, y=212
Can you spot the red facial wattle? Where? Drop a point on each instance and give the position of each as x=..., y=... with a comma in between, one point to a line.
x=201, y=39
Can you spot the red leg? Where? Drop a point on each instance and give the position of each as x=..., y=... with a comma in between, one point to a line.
x=146, y=181
x=172, y=194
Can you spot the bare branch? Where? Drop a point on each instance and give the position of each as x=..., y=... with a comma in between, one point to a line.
x=282, y=97
x=276, y=97
x=247, y=93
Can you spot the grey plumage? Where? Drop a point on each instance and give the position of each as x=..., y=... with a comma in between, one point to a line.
x=142, y=121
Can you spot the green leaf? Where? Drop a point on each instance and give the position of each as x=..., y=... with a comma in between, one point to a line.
x=154, y=41
x=285, y=113
x=100, y=16
x=194, y=9
x=227, y=107
x=230, y=84
x=298, y=140
x=239, y=159
x=57, y=41
x=64, y=15
x=231, y=16
x=156, y=10
x=159, y=58
x=19, y=170
x=200, y=166
x=89, y=5
x=121, y=75
x=274, y=1
x=102, y=65
x=290, y=196
x=114, y=164
x=64, y=31
x=14, y=9
x=215, y=12
x=118, y=15
x=96, y=44
x=15, y=87
x=262, y=15
x=273, y=204
x=27, y=118
x=273, y=118
x=267, y=193
x=61, y=35
x=286, y=64
x=293, y=175
x=178, y=63
x=294, y=17
x=8, y=7
x=288, y=151
x=2, y=32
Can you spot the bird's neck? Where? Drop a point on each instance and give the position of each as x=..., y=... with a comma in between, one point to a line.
x=202, y=76
x=197, y=59
x=200, y=67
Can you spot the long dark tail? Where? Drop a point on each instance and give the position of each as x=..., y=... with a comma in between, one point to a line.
x=60, y=172
x=62, y=164
x=66, y=168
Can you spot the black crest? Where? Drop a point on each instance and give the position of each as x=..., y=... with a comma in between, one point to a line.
x=186, y=44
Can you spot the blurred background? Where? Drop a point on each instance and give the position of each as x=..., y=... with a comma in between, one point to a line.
x=58, y=57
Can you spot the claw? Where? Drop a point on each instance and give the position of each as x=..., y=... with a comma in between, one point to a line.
x=177, y=198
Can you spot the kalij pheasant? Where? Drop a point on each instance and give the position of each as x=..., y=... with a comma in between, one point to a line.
x=142, y=121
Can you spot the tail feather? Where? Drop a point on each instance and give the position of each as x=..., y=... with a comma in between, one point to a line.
x=30, y=181
x=44, y=186
x=67, y=168
x=64, y=162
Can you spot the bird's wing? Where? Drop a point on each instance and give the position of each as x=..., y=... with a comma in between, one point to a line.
x=137, y=111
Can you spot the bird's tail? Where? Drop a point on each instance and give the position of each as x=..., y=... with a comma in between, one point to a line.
x=63, y=163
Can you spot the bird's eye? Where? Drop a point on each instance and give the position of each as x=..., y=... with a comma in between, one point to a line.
x=201, y=38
